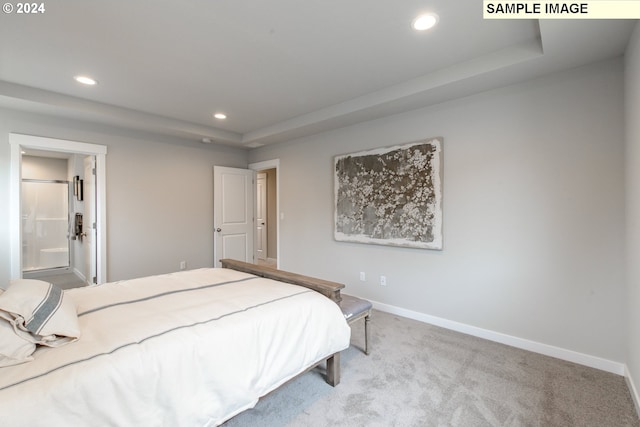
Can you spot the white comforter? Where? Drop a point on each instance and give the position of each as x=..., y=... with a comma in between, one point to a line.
x=185, y=349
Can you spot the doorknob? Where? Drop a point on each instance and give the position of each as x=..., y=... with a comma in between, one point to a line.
x=218, y=229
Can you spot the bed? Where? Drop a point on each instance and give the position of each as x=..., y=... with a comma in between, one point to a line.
x=192, y=348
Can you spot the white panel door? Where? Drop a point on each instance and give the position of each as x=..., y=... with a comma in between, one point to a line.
x=261, y=216
x=233, y=214
x=89, y=220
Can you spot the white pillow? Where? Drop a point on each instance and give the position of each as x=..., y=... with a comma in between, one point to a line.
x=41, y=310
x=13, y=349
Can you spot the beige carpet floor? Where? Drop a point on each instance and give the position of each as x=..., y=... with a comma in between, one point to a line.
x=422, y=375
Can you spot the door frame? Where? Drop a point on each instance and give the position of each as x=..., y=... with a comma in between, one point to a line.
x=20, y=142
x=90, y=255
x=272, y=164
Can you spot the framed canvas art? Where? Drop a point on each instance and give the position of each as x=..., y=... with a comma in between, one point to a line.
x=391, y=196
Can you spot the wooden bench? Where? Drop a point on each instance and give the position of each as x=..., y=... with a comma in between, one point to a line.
x=355, y=309
x=329, y=289
x=352, y=307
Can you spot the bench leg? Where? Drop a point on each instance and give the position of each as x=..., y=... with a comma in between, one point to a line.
x=366, y=335
x=333, y=370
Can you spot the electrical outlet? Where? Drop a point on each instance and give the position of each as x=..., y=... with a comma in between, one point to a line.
x=383, y=280
x=363, y=277
x=183, y=265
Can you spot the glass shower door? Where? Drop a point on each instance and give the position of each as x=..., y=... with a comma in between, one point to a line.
x=45, y=225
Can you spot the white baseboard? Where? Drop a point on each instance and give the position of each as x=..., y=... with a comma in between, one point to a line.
x=79, y=274
x=548, y=350
x=632, y=388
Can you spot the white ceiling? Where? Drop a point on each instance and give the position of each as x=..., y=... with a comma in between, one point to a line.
x=279, y=69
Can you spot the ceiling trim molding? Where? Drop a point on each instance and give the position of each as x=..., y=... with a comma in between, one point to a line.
x=419, y=86
x=119, y=116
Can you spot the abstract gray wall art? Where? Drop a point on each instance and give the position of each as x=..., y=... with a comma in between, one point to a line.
x=391, y=196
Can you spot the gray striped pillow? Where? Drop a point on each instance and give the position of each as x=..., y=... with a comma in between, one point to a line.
x=41, y=310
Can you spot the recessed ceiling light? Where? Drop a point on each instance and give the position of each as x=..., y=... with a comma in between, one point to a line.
x=85, y=80
x=220, y=116
x=424, y=22
x=206, y=140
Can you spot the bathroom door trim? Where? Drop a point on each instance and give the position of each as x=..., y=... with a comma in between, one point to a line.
x=20, y=142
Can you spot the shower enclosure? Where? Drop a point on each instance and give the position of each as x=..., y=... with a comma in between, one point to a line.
x=45, y=224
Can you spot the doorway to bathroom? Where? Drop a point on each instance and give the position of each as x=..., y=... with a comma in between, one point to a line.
x=52, y=208
x=37, y=249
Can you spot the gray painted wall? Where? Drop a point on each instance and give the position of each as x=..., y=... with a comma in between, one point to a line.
x=159, y=194
x=533, y=211
x=632, y=157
